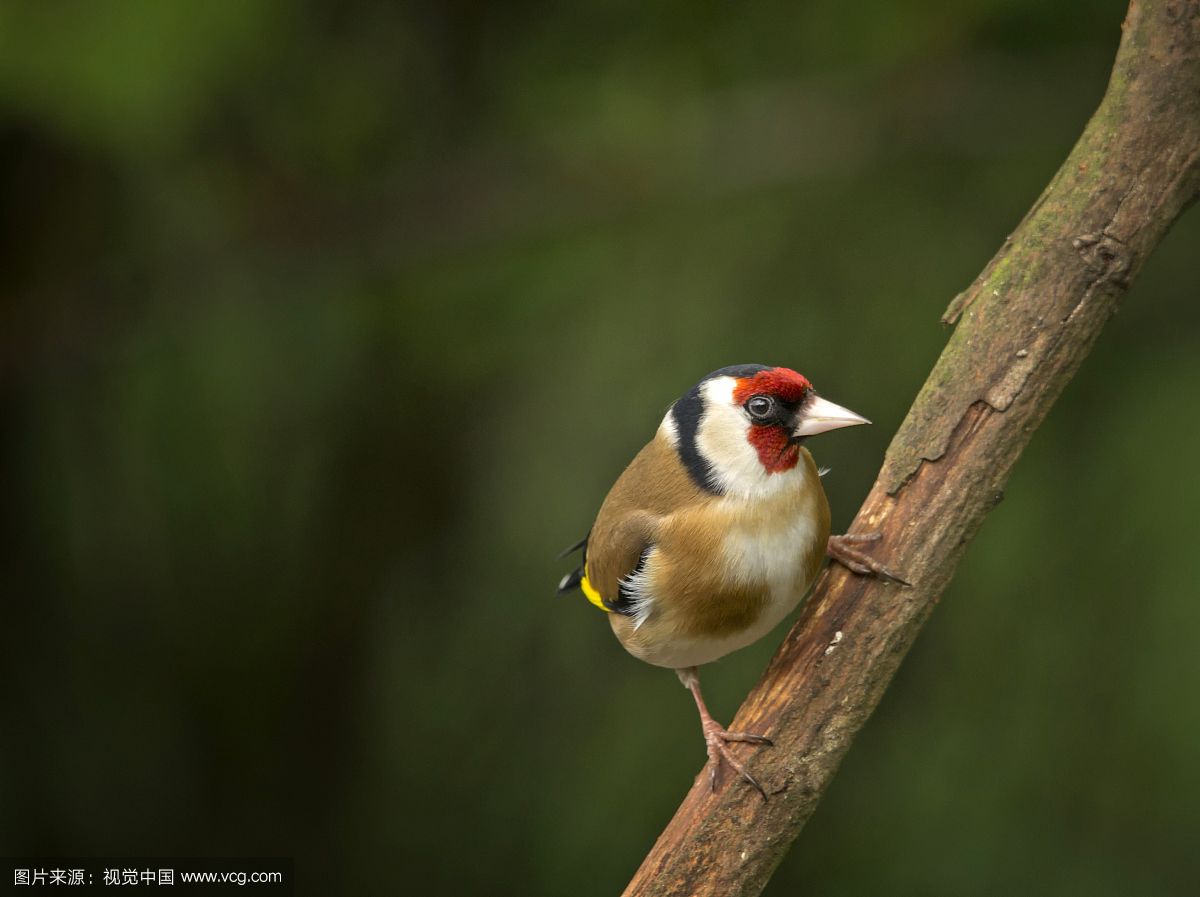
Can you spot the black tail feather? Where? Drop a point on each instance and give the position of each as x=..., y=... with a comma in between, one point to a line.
x=582, y=543
x=571, y=581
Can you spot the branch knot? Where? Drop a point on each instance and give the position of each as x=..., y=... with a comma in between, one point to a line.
x=1105, y=257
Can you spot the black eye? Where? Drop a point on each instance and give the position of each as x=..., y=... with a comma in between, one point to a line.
x=760, y=407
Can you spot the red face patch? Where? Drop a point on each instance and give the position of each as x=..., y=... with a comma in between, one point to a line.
x=782, y=383
x=776, y=451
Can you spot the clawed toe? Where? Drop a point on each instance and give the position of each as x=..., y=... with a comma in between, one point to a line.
x=716, y=737
x=717, y=751
x=859, y=537
x=748, y=738
x=858, y=562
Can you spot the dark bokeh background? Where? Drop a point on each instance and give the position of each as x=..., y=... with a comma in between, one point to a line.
x=325, y=326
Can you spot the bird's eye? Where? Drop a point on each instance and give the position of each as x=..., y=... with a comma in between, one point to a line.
x=760, y=407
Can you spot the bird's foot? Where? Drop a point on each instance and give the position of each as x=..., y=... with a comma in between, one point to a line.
x=715, y=737
x=842, y=550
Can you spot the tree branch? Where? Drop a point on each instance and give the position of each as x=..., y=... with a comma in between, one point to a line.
x=1023, y=328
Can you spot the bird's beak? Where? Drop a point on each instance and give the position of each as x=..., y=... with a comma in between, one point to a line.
x=818, y=415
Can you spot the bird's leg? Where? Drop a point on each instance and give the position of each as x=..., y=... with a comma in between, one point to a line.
x=716, y=735
x=841, y=549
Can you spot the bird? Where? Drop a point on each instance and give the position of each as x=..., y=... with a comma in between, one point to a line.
x=716, y=530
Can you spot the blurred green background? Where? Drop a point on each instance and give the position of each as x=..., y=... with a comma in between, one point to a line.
x=326, y=325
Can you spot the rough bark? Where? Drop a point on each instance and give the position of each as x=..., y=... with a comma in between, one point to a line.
x=1022, y=330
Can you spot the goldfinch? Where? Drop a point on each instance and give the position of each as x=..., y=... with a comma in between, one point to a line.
x=716, y=530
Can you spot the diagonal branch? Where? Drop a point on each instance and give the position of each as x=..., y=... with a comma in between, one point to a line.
x=1023, y=328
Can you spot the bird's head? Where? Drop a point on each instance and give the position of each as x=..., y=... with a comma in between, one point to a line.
x=741, y=427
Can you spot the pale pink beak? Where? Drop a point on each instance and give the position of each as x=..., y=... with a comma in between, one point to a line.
x=820, y=416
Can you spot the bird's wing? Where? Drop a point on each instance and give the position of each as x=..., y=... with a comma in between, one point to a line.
x=616, y=551
x=653, y=486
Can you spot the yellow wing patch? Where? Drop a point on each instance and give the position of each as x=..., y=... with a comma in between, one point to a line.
x=591, y=593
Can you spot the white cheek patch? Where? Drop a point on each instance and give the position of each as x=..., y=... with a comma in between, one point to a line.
x=722, y=439
x=669, y=429
x=721, y=436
